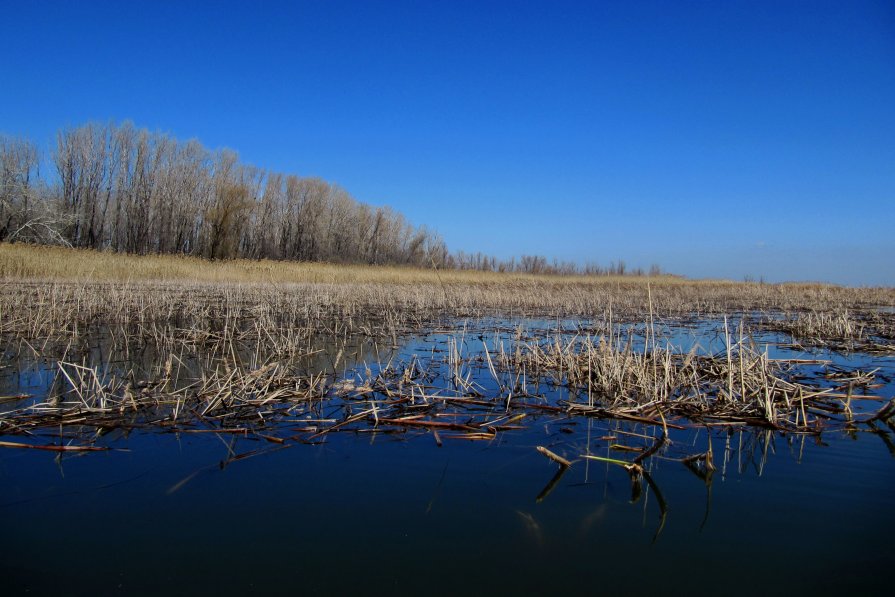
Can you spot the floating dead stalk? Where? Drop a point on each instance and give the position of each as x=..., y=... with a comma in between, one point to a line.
x=554, y=457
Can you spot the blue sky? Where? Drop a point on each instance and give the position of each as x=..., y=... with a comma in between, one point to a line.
x=717, y=139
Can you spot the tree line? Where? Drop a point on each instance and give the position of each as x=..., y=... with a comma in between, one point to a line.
x=120, y=188
x=538, y=264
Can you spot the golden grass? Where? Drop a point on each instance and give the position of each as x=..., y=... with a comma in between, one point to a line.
x=48, y=263
x=22, y=261
x=49, y=290
x=32, y=262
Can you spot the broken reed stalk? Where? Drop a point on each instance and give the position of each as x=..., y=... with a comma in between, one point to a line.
x=52, y=448
x=633, y=468
x=554, y=457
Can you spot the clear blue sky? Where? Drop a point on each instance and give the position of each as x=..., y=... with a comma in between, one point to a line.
x=713, y=138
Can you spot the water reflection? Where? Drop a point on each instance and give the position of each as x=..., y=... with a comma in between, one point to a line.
x=412, y=509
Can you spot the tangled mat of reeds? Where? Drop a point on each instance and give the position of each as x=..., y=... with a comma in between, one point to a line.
x=452, y=395
x=290, y=353
x=867, y=331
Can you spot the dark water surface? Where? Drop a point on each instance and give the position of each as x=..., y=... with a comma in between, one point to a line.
x=393, y=513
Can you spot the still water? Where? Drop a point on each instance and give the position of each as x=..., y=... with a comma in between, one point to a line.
x=394, y=513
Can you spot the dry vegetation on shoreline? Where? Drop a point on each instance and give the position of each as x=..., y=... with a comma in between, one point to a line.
x=21, y=262
x=34, y=262
x=53, y=292
x=246, y=346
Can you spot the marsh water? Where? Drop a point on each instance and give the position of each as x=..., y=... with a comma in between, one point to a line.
x=396, y=512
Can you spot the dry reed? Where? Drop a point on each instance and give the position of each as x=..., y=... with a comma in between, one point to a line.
x=262, y=348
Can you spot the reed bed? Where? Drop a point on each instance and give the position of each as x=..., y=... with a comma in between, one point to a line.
x=30, y=262
x=54, y=309
x=450, y=394
x=869, y=331
x=643, y=393
x=742, y=385
x=289, y=353
x=80, y=275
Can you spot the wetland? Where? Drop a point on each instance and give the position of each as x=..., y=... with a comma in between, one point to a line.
x=444, y=434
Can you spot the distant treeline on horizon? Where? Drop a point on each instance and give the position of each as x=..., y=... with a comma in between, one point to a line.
x=130, y=190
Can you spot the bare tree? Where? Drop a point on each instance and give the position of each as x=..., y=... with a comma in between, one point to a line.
x=18, y=165
x=28, y=211
x=128, y=189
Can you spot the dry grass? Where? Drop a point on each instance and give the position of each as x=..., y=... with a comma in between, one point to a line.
x=842, y=330
x=26, y=262
x=47, y=263
x=239, y=330
x=55, y=309
x=46, y=291
x=607, y=378
x=612, y=379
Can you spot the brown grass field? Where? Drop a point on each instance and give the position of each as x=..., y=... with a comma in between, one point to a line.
x=46, y=290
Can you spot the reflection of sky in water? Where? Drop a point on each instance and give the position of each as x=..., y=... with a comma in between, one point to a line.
x=393, y=513
x=364, y=512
